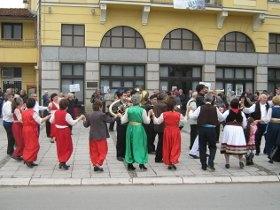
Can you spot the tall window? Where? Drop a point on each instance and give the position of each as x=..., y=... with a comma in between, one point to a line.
x=179, y=76
x=236, y=42
x=273, y=78
x=123, y=37
x=12, y=78
x=72, y=35
x=274, y=43
x=117, y=76
x=181, y=39
x=73, y=73
x=238, y=79
x=11, y=31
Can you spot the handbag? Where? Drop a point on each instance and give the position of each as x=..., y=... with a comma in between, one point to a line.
x=275, y=154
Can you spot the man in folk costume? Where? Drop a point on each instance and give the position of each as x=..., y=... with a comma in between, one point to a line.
x=208, y=117
x=259, y=112
x=62, y=120
x=30, y=121
x=136, y=138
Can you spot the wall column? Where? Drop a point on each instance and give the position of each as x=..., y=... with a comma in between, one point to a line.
x=209, y=69
x=91, y=76
x=261, y=78
x=152, y=77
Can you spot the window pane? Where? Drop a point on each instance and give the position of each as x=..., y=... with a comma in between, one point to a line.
x=196, y=72
x=194, y=84
x=240, y=37
x=78, y=70
x=105, y=42
x=128, y=71
x=239, y=89
x=272, y=48
x=176, y=44
x=116, y=70
x=17, y=72
x=197, y=45
x=128, y=84
x=7, y=32
x=140, y=43
x=229, y=73
x=219, y=73
x=272, y=38
x=165, y=44
x=116, y=42
x=163, y=85
x=271, y=75
x=105, y=70
x=116, y=84
x=67, y=29
x=17, y=32
x=139, y=84
x=66, y=69
x=277, y=74
x=176, y=34
x=65, y=85
x=249, y=86
x=230, y=37
x=278, y=48
x=221, y=46
x=116, y=31
x=163, y=71
x=66, y=41
x=187, y=45
x=250, y=47
x=187, y=34
x=129, y=32
x=270, y=86
x=239, y=73
x=80, y=95
x=230, y=46
x=104, y=83
x=241, y=47
x=79, y=41
x=139, y=71
x=129, y=42
x=79, y=30
x=219, y=86
x=249, y=73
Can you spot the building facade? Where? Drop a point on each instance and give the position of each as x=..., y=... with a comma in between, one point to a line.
x=18, y=50
x=232, y=44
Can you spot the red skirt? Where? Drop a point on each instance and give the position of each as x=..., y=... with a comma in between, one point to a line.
x=31, y=143
x=53, y=131
x=64, y=144
x=17, y=133
x=171, y=145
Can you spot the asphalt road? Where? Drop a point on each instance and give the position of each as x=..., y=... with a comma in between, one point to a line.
x=218, y=196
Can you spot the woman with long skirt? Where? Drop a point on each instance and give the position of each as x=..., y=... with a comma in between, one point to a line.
x=53, y=106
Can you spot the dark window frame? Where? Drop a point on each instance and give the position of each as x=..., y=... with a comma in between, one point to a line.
x=194, y=39
x=276, y=43
x=136, y=36
x=121, y=77
x=73, y=35
x=247, y=42
x=12, y=24
x=273, y=80
x=73, y=77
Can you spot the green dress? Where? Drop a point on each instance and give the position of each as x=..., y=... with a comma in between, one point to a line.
x=136, y=138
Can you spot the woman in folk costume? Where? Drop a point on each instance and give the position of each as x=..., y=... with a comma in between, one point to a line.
x=61, y=120
x=233, y=142
x=250, y=134
x=136, y=138
x=30, y=133
x=53, y=106
x=171, y=133
x=17, y=108
x=98, y=148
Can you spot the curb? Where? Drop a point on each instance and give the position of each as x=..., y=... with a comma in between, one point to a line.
x=137, y=181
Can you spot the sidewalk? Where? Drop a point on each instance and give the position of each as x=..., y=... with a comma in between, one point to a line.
x=81, y=172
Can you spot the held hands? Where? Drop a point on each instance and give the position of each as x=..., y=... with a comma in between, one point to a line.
x=82, y=117
x=118, y=115
x=151, y=113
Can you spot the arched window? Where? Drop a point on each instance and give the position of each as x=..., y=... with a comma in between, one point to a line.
x=181, y=39
x=236, y=42
x=123, y=37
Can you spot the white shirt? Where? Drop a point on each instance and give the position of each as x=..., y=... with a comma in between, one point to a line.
x=267, y=118
x=38, y=108
x=244, y=120
x=68, y=119
x=146, y=119
x=160, y=119
x=7, y=112
x=192, y=104
x=253, y=108
x=196, y=113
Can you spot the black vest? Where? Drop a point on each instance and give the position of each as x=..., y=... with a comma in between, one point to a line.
x=257, y=113
x=208, y=115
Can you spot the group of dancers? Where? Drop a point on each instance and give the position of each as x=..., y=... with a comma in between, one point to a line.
x=138, y=122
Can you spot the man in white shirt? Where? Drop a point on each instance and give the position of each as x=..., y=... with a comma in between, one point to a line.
x=8, y=122
x=37, y=107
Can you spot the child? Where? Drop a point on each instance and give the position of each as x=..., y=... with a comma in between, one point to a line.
x=98, y=133
x=250, y=140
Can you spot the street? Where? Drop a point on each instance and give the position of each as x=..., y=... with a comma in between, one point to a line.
x=218, y=196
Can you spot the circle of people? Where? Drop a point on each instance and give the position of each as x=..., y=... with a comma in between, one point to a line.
x=139, y=119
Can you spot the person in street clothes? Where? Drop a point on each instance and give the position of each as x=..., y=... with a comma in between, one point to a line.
x=136, y=138
x=8, y=122
x=208, y=117
x=64, y=145
x=259, y=112
x=191, y=107
x=98, y=148
x=53, y=106
x=171, y=133
x=17, y=109
x=30, y=133
x=234, y=142
x=250, y=134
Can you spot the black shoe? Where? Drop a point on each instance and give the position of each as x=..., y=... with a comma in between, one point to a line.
x=227, y=166
x=142, y=167
x=158, y=161
x=257, y=153
x=97, y=169
x=63, y=166
x=174, y=167
x=34, y=164
x=28, y=164
x=194, y=156
x=204, y=167
x=241, y=165
x=152, y=152
x=17, y=158
x=120, y=159
x=270, y=161
x=130, y=167
x=169, y=167
x=212, y=168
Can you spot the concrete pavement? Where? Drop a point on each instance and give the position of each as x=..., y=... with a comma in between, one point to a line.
x=115, y=173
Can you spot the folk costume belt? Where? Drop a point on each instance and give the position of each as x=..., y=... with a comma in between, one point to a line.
x=275, y=120
x=135, y=123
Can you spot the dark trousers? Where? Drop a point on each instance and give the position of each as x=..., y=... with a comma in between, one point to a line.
x=158, y=157
x=193, y=134
x=150, y=137
x=121, y=139
x=10, y=137
x=258, y=137
x=218, y=127
x=111, y=127
x=207, y=135
x=48, y=129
